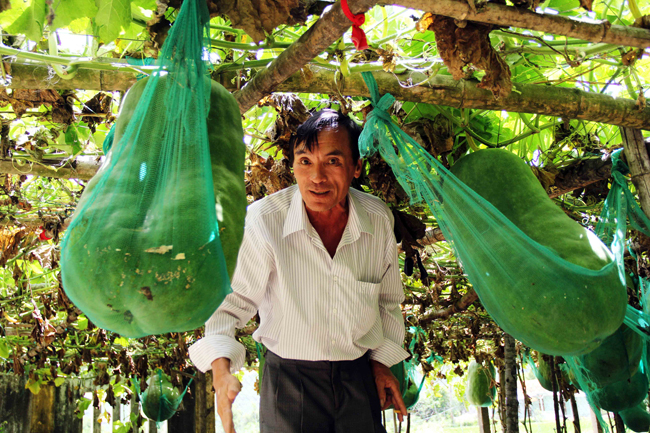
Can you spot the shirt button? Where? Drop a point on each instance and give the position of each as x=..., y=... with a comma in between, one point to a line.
x=335, y=311
x=333, y=341
x=336, y=279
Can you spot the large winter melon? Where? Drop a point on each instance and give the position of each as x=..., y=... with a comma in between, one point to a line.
x=637, y=418
x=616, y=359
x=622, y=395
x=559, y=315
x=124, y=282
x=480, y=389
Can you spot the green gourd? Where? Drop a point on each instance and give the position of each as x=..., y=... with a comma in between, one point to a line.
x=543, y=373
x=622, y=395
x=160, y=399
x=137, y=293
x=559, y=318
x=616, y=359
x=480, y=389
x=637, y=418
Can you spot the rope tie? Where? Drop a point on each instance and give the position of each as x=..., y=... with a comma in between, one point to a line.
x=358, y=35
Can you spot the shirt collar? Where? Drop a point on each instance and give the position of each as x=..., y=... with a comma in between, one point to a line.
x=297, y=219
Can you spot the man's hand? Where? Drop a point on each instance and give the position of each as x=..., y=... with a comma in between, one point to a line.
x=227, y=387
x=388, y=389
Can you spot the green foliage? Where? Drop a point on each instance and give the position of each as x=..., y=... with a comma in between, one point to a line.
x=66, y=11
x=32, y=21
x=112, y=16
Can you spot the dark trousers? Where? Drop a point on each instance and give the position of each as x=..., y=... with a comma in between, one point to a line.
x=318, y=397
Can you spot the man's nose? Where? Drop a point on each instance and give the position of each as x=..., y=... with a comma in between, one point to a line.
x=318, y=174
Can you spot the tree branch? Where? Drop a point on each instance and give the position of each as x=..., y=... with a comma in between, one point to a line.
x=439, y=90
x=461, y=305
x=314, y=41
x=568, y=103
x=83, y=169
x=492, y=13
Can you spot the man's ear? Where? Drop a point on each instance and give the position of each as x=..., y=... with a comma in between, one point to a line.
x=357, y=168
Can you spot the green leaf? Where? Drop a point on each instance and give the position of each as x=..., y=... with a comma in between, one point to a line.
x=112, y=16
x=59, y=381
x=33, y=385
x=66, y=11
x=83, y=404
x=81, y=323
x=72, y=139
x=121, y=341
x=31, y=22
x=11, y=15
x=4, y=348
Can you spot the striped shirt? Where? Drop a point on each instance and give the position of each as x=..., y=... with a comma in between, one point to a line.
x=312, y=307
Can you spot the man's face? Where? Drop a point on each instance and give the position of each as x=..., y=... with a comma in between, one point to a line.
x=324, y=174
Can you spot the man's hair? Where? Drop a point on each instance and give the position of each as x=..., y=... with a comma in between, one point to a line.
x=307, y=133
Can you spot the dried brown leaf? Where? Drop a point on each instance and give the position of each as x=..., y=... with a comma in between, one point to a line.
x=462, y=48
x=587, y=4
x=642, y=22
x=258, y=17
x=641, y=101
x=424, y=23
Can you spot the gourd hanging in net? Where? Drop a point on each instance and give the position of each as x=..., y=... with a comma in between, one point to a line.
x=481, y=389
x=554, y=287
x=146, y=252
x=161, y=399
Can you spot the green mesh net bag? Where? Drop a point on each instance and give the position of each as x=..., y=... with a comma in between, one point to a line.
x=561, y=294
x=480, y=388
x=407, y=374
x=143, y=254
x=161, y=399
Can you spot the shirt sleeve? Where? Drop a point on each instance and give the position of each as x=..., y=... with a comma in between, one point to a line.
x=249, y=284
x=391, y=295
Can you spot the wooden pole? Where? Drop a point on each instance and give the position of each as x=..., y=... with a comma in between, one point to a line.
x=205, y=421
x=483, y=419
x=185, y=419
x=639, y=163
x=97, y=426
x=512, y=404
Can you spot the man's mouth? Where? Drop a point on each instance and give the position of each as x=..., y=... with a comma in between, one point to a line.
x=320, y=193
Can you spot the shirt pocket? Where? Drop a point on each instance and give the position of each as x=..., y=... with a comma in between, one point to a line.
x=364, y=307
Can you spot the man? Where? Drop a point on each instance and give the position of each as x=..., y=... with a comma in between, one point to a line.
x=319, y=263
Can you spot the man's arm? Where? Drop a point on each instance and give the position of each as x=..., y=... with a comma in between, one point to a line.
x=249, y=284
x=218, y=349
x=391, y=295
x=390, y=352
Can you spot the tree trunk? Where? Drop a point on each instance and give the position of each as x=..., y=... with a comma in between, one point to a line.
x=512, y=404
x=502, y=397
x=502, y=15
x=639, y=163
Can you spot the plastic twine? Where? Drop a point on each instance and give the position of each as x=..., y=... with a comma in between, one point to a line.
x=358, y=35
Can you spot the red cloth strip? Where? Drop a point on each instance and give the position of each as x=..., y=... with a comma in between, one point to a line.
x=358, y=36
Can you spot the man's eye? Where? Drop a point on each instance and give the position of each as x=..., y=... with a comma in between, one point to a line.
x=334, y=161
x=304, y=161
